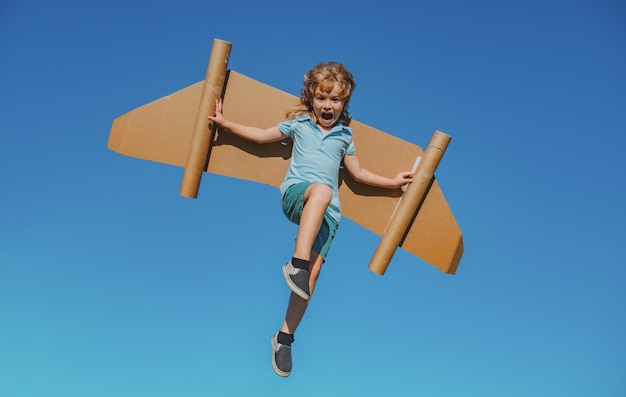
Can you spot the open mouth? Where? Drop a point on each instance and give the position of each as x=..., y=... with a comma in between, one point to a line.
x=327, y=116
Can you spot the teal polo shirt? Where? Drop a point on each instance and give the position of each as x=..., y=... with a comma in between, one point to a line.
x=315, y=157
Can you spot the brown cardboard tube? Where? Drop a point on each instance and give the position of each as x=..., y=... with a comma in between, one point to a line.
x=410, y=203
x=203, y=133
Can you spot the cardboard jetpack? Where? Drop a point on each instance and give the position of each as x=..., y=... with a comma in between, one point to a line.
x=175, y=130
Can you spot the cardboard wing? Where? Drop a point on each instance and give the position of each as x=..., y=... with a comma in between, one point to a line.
x=163, y=131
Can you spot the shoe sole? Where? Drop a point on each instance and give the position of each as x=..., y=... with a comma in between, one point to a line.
x=292, y=286
x=276, y=369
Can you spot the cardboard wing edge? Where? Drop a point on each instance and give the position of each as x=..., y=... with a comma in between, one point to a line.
x=158, y=131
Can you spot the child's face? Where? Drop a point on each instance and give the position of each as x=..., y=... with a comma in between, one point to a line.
x=328, y=106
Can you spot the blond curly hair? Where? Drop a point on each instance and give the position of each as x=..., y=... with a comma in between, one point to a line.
x=324, y=76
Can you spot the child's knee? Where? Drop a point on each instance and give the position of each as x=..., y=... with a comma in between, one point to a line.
x=321, y=193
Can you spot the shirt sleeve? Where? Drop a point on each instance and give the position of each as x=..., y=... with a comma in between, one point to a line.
x=351, y=150
x=285, y=127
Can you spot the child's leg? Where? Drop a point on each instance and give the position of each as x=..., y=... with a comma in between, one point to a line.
x=309, y=201
x=316, y=230
x=316, y=199
x=297, y=306
x=281, y=341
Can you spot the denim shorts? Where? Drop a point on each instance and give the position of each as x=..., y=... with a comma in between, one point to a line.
x=293, y=203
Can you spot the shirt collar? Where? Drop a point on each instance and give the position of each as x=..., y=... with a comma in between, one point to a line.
x=339, y=127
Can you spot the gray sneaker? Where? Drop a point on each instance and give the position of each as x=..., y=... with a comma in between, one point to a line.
x=297, y=280
x=281, y=357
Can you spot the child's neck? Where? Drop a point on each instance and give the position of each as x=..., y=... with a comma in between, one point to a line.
x=325, y=130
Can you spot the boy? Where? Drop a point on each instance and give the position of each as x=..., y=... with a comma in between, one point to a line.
x=322, y=140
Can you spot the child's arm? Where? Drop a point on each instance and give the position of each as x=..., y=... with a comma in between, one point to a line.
x=352, y=164
x=254, y=134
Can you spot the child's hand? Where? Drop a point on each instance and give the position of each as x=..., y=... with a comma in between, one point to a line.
x=403, y=178
x=218, y=118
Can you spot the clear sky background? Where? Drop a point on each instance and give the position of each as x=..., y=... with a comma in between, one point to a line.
x=111, y=284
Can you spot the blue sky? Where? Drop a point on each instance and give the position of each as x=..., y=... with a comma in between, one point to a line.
x=111, y=284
